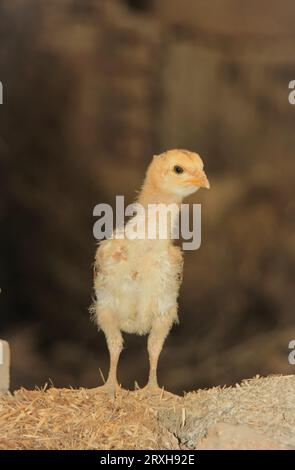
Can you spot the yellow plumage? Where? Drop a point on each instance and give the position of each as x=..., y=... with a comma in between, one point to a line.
x=137, y=280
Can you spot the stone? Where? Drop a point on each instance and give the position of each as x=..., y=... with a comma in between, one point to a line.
x=225, y=436
x=4, y=366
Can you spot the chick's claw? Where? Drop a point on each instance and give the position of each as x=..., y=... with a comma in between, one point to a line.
x=151, y=391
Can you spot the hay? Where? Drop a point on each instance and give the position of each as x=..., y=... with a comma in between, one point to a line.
x=82, y=419
x=88, y=419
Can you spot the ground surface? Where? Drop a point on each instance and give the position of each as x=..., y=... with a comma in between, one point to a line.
x=258, y=413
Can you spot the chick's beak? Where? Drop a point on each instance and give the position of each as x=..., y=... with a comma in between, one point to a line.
x=200, y=180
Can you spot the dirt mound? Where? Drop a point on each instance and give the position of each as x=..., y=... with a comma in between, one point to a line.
x=264, y=406
x=259, y=413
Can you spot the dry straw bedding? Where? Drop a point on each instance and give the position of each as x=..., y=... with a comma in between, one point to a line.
x=81, y=419
x=88, y=419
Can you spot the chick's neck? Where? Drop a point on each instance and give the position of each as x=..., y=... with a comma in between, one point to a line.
x=150, y=194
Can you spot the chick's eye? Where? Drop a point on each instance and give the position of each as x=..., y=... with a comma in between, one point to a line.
x=178, y=169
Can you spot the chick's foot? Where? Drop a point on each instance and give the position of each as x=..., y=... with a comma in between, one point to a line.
x=109, y=388
x=150, y=390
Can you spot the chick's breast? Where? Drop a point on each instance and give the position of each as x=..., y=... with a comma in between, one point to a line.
x=138, y=281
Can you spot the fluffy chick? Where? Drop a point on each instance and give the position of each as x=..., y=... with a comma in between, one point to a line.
x=137, y=280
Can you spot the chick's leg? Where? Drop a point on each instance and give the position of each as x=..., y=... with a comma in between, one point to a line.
x=158, y=334
x=114, y=340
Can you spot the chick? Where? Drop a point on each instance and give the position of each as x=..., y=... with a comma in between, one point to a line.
x=137, y=279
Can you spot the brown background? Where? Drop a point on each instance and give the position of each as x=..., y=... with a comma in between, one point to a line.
x=92, y=89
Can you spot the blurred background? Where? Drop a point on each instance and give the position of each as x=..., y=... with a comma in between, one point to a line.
x=92, y=89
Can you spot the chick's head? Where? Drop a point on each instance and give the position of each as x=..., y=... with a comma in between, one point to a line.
x=178, y=172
